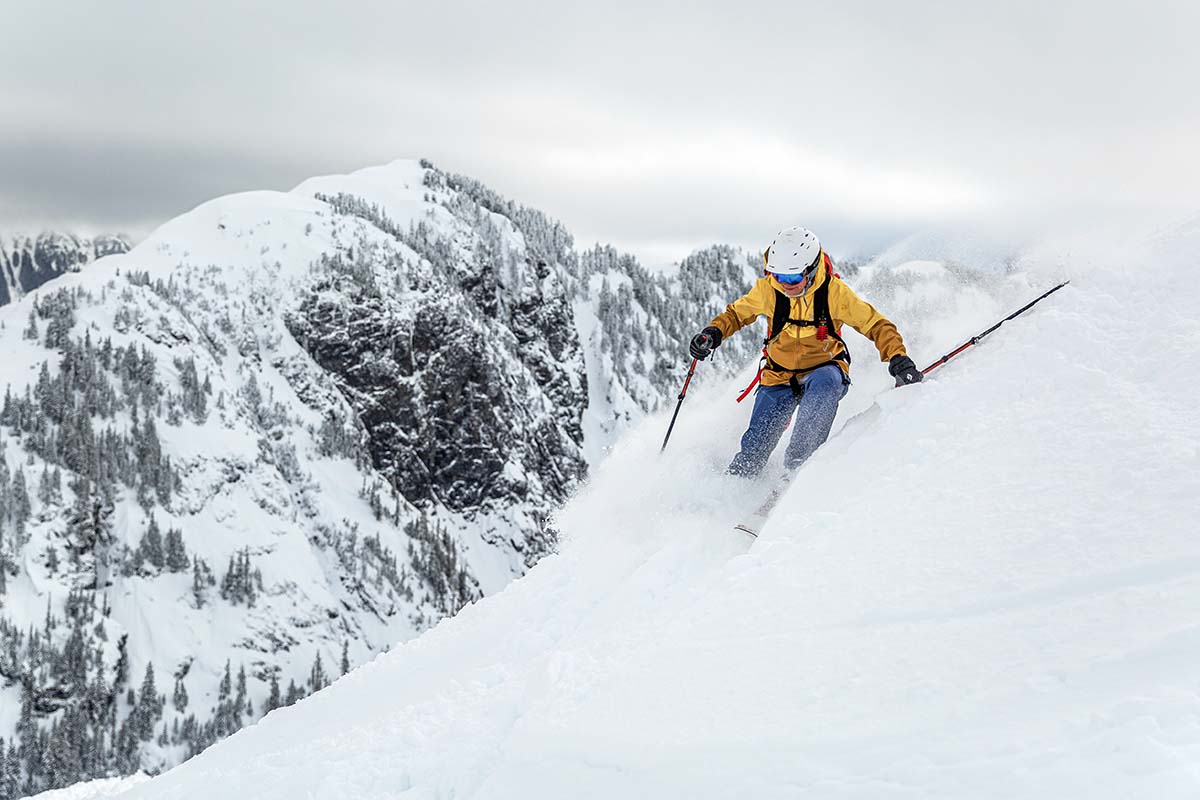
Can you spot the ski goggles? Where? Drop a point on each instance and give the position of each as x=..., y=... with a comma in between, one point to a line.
x=795, y=278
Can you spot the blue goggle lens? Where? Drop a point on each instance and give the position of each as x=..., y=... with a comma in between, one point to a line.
x=792, y=279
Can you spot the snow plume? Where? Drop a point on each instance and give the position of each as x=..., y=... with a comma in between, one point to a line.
x=982, y=586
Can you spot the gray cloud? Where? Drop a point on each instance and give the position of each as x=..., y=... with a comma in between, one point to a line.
x=125, y=185
x=658, y=126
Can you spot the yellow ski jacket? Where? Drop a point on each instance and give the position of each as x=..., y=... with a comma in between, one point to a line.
x=796, y=349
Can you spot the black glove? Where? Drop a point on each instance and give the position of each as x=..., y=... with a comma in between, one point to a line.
x=904, y=370
x=705, y=342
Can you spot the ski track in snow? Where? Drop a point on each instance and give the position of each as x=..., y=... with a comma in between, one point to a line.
x=984, y=586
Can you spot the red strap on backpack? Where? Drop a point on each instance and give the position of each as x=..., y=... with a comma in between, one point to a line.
x=758, y=375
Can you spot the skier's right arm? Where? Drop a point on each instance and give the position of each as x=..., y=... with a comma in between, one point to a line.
x=747, y=308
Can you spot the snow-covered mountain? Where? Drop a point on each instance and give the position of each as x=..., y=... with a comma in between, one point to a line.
x=982, y=586
x=27, y=262
x=290, y=430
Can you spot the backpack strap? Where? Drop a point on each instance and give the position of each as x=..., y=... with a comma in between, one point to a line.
x=757, y=377
x=779, y=317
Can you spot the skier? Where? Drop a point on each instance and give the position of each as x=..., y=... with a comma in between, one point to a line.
x=806, y=362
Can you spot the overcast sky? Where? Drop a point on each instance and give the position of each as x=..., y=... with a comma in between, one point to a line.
x=655, y=126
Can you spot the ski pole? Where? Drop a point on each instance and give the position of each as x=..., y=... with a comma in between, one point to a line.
x=682, y=394
x=974, y=340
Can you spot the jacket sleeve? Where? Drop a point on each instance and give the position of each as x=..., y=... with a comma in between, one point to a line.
x=848, y=307
x=744, y=310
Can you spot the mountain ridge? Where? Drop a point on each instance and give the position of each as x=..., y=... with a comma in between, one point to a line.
x=285, y=432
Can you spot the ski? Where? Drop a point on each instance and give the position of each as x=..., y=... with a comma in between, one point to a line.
x=754, y=523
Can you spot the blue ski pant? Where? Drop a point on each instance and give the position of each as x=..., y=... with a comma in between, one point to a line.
x=773, y=406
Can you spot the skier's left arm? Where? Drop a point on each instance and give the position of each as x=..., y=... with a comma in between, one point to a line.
x=848, y=307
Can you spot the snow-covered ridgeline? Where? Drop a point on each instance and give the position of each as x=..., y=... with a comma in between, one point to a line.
x=184, y=488
x=289, y=430
x=983, y=586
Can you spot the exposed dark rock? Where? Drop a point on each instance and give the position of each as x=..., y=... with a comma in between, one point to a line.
x=27, y=263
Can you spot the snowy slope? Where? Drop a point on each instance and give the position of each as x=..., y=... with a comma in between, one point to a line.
x=983, y=586
x=93, y=790
x=289, y=430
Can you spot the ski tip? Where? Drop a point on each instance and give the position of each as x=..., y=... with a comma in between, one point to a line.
x=744, y=529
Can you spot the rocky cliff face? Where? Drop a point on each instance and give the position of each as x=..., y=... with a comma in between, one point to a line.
x=29, y=262
x=465, y=367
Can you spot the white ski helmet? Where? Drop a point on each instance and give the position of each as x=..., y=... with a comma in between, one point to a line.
x=794, y=250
